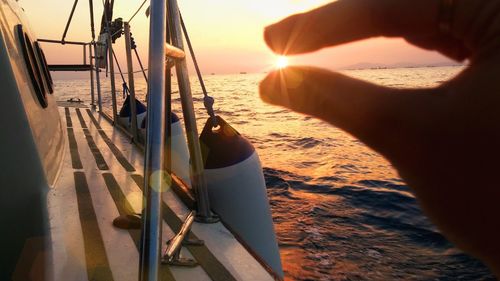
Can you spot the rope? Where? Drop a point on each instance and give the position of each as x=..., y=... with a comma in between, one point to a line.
x=208, y=101
x=126, y=90
x=140, y=7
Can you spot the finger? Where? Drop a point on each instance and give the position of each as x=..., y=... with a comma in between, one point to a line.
x=350, y=20
x=447, y=45
x=384, y=118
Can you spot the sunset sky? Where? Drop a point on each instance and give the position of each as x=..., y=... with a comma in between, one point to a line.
x=227, y=34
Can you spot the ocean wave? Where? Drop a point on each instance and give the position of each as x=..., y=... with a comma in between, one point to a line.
x=374, y=225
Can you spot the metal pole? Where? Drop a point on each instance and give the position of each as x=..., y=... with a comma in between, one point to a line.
x=84, y=54
x=112, y=74
x=130, y=70
x=98, y=80
x=197, y=169
x=69, y=21
x=154, y=174
x=168, y=106
x=92, y=28
x=92, y=94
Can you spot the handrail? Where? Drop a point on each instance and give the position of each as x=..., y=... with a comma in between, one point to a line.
x=62, y=42
x=154, y=175
x=198, y=180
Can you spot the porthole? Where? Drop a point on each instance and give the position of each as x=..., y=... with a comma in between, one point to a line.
x=32, y=66
x=45, y=68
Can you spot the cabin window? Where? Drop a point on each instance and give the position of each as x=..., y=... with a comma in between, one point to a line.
x=32, y=66
x=45, y=68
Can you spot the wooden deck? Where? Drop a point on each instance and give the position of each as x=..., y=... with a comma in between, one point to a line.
x=100, y=179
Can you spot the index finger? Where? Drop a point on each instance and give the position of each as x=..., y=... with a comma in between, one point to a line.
x=345, y=21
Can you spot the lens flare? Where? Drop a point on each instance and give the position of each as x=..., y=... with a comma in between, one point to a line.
x=281, y=62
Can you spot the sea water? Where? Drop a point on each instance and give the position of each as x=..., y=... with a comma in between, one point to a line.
x=341, y=211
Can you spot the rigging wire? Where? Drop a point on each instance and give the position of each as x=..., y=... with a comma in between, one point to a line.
x=142, y=67
x=69, y=21
x=208, y=101
x=126, y=90
x=92, y=27
x=137, y=11
x=133, y=46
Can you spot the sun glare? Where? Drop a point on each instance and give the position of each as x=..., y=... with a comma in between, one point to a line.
x=282, y=62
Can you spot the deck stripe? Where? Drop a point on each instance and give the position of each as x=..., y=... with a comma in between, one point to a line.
x=212, y=266
x=68, y=117
x=124, y=208
x=80, y=117
x=118, y=154
x=95, y=254
x=76, y=162
x=99, y=159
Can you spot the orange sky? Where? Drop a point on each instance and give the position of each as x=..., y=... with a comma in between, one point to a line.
x=227, y=34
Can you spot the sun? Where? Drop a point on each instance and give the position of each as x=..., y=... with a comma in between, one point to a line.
x=281, y=62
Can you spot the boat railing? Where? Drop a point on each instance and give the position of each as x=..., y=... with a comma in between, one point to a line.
x=166, y=49
x=80, y=67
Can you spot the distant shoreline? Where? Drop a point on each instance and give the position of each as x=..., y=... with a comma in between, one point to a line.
x=367, y=66
x=81, y=76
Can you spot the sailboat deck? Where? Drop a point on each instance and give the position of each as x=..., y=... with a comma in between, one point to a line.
x=100, y=179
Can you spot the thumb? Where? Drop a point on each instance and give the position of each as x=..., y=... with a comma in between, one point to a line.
x=386, y=119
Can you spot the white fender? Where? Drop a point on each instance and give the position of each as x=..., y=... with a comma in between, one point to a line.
x=124, y=115
x=180, y=153
x=237, y=190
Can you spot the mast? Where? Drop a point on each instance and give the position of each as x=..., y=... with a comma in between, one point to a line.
x=105, y=25
x=131, y=82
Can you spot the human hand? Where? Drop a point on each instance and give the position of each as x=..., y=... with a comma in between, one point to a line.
x=444, y=141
